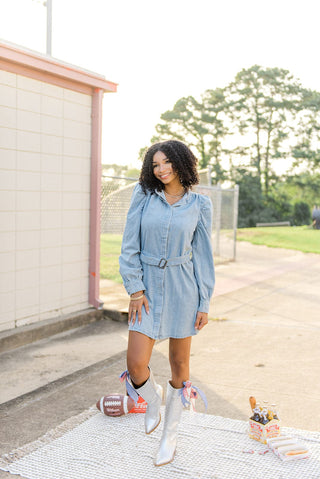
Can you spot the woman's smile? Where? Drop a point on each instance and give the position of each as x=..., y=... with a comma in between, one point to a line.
x=164, y=176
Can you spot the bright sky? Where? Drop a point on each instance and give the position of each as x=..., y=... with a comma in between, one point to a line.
x=159, y=51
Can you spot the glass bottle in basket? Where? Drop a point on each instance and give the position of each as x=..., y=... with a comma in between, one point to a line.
x=275, y=414
x=256, y=413
x=264, y=414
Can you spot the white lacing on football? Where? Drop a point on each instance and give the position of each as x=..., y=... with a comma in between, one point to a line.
x=112, y=403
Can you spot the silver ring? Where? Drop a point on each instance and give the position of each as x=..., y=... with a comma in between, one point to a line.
x=134, y=310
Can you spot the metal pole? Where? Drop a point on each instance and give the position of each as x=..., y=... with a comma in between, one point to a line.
x=209, y=175
x=235, y=219
x=49, y=27
x=218, y=218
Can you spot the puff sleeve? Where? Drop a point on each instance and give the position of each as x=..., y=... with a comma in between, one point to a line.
x=202, y=255
x=129, y=260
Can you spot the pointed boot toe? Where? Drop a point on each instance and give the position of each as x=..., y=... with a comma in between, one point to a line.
x=165, y=454
x=168, y=441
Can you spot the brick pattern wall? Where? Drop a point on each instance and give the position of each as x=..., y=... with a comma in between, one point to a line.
x=45, y=143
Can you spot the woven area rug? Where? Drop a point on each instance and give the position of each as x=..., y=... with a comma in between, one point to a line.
x=94, y=446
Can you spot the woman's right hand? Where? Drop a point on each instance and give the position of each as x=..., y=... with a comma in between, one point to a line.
x=135, y=307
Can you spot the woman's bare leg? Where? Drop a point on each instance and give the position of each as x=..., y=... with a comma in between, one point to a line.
x=138, y=356
x=179, y=357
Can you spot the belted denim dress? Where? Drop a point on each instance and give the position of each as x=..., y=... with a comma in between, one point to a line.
x=166, y=251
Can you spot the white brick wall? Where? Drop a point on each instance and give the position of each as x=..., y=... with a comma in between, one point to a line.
x=45, y=143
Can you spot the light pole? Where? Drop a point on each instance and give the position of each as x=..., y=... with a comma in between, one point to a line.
x=48, y=4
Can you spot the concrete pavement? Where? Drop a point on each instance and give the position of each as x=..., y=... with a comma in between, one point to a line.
x=263, y=340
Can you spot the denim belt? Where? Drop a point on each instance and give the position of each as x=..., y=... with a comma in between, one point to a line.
x=163, y=262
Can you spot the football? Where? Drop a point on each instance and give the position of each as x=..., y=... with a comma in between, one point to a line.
x=115, y=404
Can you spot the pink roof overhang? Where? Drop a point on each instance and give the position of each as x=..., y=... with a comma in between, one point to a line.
x=43, y=68
x=40, y=67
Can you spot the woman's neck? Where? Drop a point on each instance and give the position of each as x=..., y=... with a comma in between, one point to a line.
x=174, y=190
x=174, y=194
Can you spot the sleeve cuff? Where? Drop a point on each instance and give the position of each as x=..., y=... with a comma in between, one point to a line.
x=204, y=306
x=134, y=287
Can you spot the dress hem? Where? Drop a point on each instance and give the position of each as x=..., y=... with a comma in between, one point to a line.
x=166, y=337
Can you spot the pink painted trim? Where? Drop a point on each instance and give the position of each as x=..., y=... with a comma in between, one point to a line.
x=53, y=69
x=44, y=77
x=95, y=195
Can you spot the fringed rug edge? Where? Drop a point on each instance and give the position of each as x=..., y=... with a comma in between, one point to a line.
x=55, y=433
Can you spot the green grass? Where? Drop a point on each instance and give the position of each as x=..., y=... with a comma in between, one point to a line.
x=301, y=238
x=110, y=247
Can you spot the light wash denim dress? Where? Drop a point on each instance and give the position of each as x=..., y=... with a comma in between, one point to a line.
x=166, y=251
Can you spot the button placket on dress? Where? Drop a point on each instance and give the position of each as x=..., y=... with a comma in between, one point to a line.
x=161, y=272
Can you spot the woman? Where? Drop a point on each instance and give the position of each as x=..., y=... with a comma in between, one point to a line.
x=167, y=269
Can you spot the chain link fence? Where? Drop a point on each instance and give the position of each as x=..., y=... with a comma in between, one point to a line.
x=116, y=194
x=115, y=200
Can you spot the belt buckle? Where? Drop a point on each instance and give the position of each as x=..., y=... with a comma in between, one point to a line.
x=164, y=265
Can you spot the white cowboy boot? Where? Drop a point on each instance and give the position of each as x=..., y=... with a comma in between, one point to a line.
x=176, y=400
x=152, y=393
x=168, y=441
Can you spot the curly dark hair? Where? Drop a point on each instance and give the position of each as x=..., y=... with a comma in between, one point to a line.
x=183, y=162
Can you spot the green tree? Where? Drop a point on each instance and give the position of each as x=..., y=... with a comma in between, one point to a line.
x=214, y=115
x=132, y=173
x=303, y=187
x=113, y=169
x=201, y=125
x=301, y=214
x=262, y=105
x=250, y=197
x=254, y=206
x=262, y=117
x=184, y=123
x=306, y=150
x=278, y=205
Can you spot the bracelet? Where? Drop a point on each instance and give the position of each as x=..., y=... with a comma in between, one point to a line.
x=138, y=297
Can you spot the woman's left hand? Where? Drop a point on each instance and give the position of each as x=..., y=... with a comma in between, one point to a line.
x=202, y=320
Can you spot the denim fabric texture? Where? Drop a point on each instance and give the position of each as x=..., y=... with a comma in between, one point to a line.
x=179, y=234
